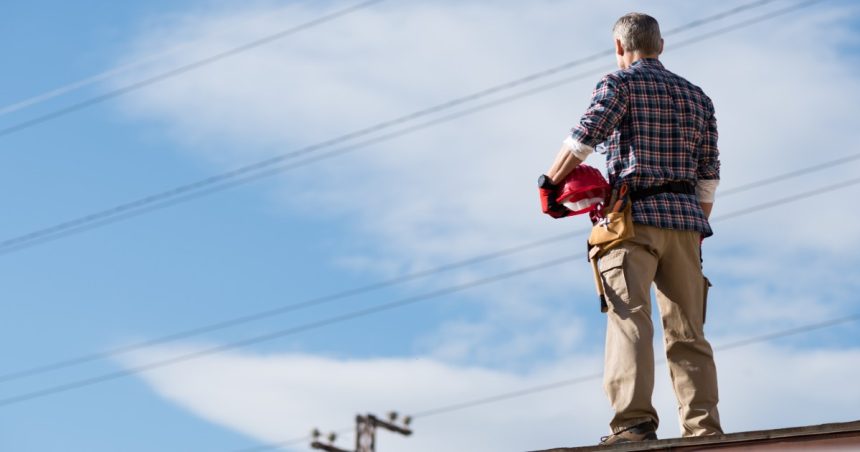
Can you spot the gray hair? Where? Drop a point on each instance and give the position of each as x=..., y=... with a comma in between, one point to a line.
x=638, y=33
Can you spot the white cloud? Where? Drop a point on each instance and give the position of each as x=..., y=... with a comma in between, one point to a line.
x=272, y=398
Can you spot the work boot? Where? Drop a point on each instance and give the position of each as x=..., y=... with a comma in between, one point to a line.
x=645, y=431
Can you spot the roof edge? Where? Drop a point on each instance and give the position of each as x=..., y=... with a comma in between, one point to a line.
x=757, y=436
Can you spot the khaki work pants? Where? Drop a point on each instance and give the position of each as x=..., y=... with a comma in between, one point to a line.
x=670, y=259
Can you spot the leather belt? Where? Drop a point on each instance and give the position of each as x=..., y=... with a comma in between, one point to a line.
x=680, y=187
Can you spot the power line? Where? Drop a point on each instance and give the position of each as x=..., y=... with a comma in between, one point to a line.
x=788, y=332
x=748, y=22
x=715, y=17
x=559, y=384
x=275, y=165
x=289, y=442
x=596, y=376
x=362, y=312
x=75, y=85
x=281, y=333
x=180, y=70
x=280, y=310
x=790, y=199
x=191, y=66
x=86, y=81
x=223, y=182
x=791, y=174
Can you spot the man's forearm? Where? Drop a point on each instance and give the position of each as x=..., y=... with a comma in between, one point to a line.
x=706, y=208
x=564, y=163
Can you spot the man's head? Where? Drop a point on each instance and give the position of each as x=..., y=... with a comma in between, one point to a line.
x=636, y=36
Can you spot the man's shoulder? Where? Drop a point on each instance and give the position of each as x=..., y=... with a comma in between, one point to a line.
x=615, y=77
x=674, y=79
x=704, y=99
x=684, y=82
x=687, y=83
x=610, y=83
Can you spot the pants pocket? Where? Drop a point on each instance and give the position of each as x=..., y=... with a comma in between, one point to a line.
x=611, y=268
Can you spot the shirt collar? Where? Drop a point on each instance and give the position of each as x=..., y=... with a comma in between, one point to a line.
x=647, y=62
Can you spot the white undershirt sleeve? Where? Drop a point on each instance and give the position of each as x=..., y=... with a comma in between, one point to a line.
x=706, y=189
x=579, y=150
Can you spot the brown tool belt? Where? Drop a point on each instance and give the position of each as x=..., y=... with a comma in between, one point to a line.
x=680, y=187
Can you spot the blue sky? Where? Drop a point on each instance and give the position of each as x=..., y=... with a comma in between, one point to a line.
x=784, y=92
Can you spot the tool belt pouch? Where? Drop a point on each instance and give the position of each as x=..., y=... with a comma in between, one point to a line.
x=605, y=235
x=614, y=229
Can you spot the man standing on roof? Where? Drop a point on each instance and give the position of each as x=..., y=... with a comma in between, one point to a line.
x=661, y=140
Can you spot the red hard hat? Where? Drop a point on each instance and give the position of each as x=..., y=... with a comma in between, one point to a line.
x=583, y=189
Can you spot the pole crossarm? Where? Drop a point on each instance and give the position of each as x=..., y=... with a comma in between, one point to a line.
x=327, y=447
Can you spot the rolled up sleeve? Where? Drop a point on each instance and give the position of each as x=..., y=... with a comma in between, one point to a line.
x=579, y=150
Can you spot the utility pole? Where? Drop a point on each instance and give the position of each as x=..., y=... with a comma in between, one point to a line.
x=365, y=433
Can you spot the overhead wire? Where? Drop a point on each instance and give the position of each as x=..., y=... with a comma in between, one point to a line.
x=277, y=334
x=109, y=73
x=101, y=76
x=790, y=199
x=218, y=183
x=598, y=375
x=791, y=174
x=280, y=310
x=324, y=299
x=559, y=384
x=276, y=165
x=95, y=100
x=270, y=38
x=290, y=442
x=281, y=333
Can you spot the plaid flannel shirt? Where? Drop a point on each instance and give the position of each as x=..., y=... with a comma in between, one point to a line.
x=656, y=127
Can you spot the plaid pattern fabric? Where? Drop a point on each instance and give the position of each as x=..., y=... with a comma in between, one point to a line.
x=655, y=127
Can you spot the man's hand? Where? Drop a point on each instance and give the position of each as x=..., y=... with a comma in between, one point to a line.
x=706, y=209
x=564, y=163
x=548, y=193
